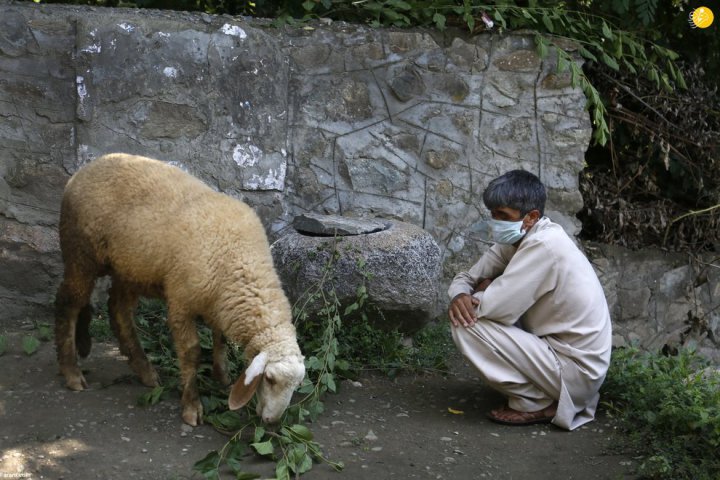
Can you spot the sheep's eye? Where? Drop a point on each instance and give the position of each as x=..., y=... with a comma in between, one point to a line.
x=270, y=380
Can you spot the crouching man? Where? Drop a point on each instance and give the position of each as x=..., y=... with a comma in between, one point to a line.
x=531, y=314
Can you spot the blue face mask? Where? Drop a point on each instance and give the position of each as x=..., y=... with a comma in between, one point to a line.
x=506, y=232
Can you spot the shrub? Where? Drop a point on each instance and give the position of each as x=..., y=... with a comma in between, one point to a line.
x=670, y=407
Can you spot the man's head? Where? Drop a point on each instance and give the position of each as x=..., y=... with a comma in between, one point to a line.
x=517, y=189
x=516, y=196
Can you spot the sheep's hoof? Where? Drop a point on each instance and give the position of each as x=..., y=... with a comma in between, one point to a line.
x=76, y=382
x=192, y=414
x=150, y=378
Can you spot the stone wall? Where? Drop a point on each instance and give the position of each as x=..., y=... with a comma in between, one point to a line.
x=661, y=300
x=336, y=119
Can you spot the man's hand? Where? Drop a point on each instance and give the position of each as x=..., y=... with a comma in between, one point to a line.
x=462, y=310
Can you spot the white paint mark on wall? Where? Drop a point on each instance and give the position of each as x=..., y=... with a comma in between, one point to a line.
x=126, y=26
x=456, y=244
x=233, y=30
x=246, y=155
x=274, y=180
x=92, y=49
x=170, y=72
x=278, y=180
x=81, y=89
x=83, y=158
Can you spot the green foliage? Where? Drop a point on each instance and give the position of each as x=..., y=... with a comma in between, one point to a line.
x=369, y=347
x=153, y=396
x=646, y=10
x=670, y=407
x=317, y=333
x=100, y=326
x=431, y=348
x=45, y=332
x=352, y=338
x=291, y=447
x=30, y=344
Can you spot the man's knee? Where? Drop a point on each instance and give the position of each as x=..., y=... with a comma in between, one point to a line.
x=460, y=336
x=473, y=338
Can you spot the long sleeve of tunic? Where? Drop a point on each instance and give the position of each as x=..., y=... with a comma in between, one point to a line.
x=550, y=283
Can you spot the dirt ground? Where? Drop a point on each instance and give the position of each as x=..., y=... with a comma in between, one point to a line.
x=379, y=427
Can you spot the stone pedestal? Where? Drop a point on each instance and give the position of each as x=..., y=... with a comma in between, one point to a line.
x=399, y=265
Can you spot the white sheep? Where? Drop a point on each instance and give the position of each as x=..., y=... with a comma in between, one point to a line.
x=160, y=232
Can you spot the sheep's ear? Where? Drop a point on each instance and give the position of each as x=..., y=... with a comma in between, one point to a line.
x=243, y=390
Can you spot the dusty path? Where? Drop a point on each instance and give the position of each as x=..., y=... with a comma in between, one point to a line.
x=380, y=428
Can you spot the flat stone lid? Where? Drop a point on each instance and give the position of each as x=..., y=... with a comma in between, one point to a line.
x=331, y=225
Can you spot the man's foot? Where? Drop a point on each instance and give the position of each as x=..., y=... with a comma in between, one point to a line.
x=508, y=416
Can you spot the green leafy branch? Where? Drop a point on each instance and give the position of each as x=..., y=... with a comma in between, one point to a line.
x=324, y=365
x=292, y=446
x=597, y=40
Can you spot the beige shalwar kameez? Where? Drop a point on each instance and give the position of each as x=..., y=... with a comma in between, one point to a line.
x=560, y=348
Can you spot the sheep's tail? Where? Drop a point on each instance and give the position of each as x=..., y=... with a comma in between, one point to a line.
x=83, y=340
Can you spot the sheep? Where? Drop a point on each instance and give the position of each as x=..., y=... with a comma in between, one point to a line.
x=160, y=232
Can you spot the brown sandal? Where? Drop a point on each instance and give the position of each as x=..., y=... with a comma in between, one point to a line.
x=523, y=418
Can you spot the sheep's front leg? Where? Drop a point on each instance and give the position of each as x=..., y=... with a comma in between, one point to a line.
x=187, y=346
x=220, y=358
x=121, y=307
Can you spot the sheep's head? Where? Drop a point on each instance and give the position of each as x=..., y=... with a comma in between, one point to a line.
x=275, y=381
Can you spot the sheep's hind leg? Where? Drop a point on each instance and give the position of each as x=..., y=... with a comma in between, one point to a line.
x=187, y=346
x=82, y=331
x=72, y=299
x=220, y=358
x=121, y=306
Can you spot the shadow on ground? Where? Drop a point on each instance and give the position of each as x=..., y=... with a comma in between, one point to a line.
x=379, y=427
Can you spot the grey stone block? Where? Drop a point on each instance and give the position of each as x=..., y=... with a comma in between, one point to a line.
x=399, y=266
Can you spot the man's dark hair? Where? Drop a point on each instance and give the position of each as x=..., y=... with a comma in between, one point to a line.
x=518, y=189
